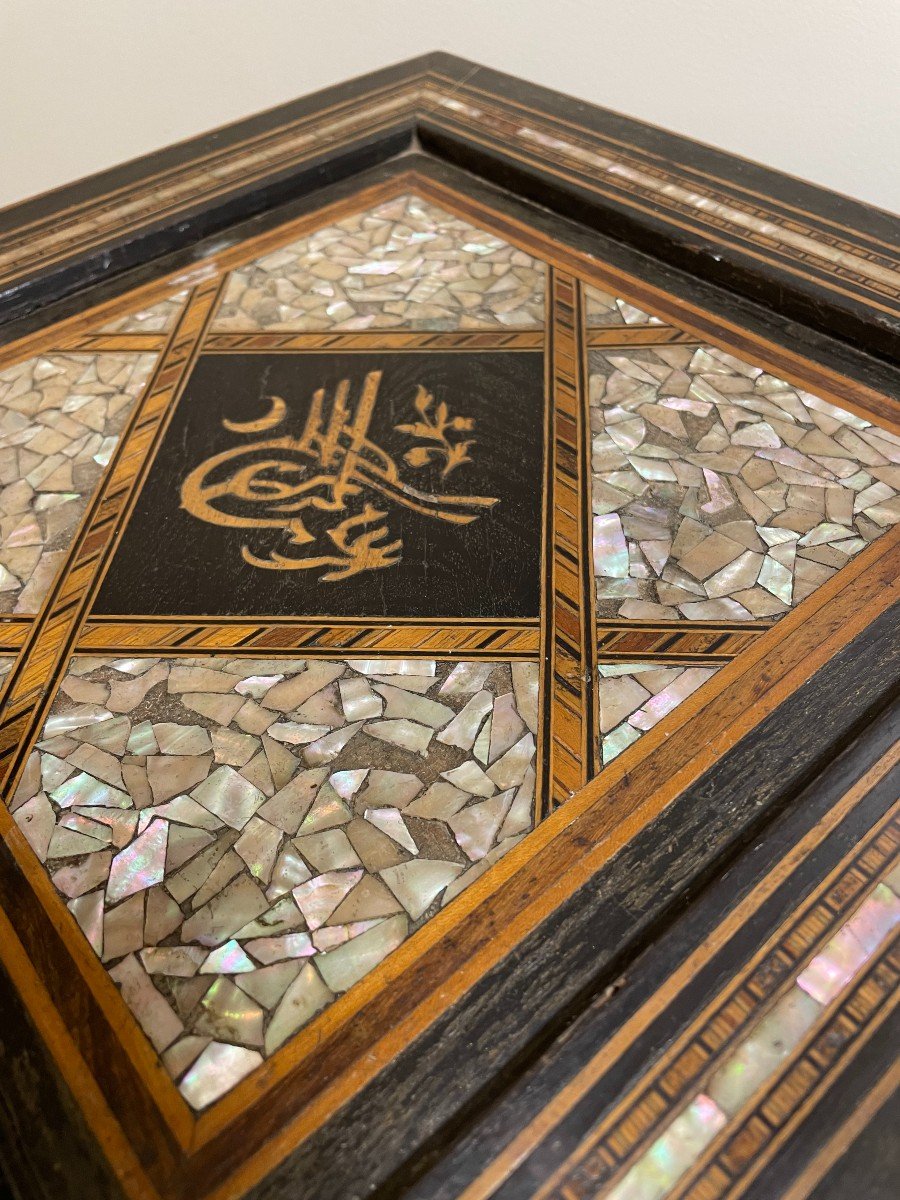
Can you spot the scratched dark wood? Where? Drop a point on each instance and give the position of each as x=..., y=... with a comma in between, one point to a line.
x=51, y=960
x=47, y=1152
x=870, y=1166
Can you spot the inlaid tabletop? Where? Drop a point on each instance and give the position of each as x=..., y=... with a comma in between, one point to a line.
x=340, y=574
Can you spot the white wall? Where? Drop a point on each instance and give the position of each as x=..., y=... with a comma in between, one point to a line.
x=809, y=86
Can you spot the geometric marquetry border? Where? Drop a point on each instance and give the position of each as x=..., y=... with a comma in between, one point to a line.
x=636, y=179
x=554, y=1150
x=638, y=1118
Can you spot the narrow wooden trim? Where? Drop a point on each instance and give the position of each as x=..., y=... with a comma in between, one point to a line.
x=841, y=1140
x=13, y=633
x=114, y=343
x=698, y=641
x=393, y=341
x=570, y=755
x=619, y=338
x=640, y=1116
x=309, y=637
x=51, y=637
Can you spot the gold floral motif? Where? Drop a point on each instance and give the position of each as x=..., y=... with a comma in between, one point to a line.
x=453, y=453
x=284, y=482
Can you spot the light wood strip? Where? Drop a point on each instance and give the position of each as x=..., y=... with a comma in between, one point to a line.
x=629, y=336
x=395, y=341
x=113, y=343
x=686, y=640
x=14, y=633
x=51, y=636
x=571, y=743
x=183, y=636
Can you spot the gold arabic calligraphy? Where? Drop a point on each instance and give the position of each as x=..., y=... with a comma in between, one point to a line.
x=284, y=482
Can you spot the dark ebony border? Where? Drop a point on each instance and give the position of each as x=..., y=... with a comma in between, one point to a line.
x=704, y=256
x=871, y=1165
x=47, y=1151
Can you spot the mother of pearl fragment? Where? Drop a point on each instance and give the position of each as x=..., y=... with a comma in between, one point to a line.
x=216, y=1072
x=405, y=734
x=140, y=865
x=463, y=729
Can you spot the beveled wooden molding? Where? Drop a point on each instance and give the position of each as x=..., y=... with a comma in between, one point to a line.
x=638, y=1117
x=654, y=190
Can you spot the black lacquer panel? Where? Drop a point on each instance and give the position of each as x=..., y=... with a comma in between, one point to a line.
x=370, y=485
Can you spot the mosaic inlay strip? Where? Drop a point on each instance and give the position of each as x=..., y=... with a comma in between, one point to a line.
x=156, y=318
x=721, y=492
x=405, y=263
x=181, y=188
x=60, y=420
x=604, y=310
x=634, y=697
x=391, y=639
x=571, y=740
x=675, y=194
x=743, y=1071
x=760, y=1058
x=697, y=641
x=241, y=841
